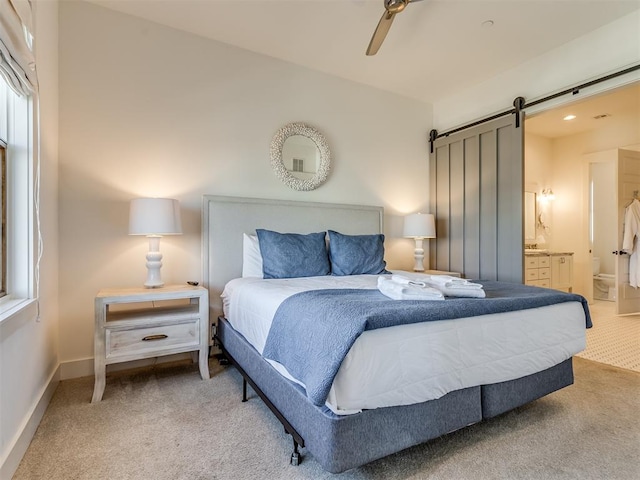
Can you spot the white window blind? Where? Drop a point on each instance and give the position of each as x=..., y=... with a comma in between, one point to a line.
x=17, y=62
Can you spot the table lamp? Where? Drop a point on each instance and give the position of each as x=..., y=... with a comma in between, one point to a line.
x=154, y=217
x=419, y=226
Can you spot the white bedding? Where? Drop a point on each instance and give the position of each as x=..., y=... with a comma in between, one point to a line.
x=414, y=363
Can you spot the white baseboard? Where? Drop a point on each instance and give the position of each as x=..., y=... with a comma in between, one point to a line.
x=84, y=367
x=29, y=427
x=76, y=369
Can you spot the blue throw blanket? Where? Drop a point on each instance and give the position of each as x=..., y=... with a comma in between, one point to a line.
x=313, y=331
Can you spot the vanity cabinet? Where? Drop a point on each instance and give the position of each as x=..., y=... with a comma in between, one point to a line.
x=550, y=270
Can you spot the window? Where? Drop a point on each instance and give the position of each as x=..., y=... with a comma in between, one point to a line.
x=17, y=186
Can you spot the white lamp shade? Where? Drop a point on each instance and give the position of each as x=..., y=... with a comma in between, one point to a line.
x=419, y=225
x=154, y=216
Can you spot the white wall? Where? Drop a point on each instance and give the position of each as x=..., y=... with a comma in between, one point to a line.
x=605, y=50
x=148, y=110
x=29, y=348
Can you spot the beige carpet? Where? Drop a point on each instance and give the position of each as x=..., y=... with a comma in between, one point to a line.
x=166, y=423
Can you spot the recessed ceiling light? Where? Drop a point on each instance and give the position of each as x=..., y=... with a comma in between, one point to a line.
x=569, y=117
x=487, y=23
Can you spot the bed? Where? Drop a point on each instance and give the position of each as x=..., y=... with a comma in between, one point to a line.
x=348, y=433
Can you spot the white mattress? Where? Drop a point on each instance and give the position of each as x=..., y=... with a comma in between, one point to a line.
x=414, y=363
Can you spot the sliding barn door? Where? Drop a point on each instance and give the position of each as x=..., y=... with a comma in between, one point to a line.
x=477, y=190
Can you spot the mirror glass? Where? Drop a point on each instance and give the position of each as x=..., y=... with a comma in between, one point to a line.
x=529, y=217
x=300, y=156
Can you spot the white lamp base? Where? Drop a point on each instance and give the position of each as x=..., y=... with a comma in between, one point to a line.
x=154, y=263
x=418, y=255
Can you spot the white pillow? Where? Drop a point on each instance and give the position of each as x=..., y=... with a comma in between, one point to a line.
x=251, y=256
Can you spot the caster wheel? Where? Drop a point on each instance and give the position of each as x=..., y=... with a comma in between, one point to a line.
x=295, y=459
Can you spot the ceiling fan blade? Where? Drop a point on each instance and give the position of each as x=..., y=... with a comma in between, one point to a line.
x=380, y=33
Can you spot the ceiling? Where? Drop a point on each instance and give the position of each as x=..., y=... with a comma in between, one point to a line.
x=612, y=108
x=434, y=48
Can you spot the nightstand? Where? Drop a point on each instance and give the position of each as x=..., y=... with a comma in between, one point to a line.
x=137, y=323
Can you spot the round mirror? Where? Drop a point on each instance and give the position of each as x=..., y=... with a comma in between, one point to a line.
x=300, y=156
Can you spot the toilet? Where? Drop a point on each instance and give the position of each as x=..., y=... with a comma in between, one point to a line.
x=604, y=284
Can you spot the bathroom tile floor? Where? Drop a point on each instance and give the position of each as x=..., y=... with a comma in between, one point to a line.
x=614, y=340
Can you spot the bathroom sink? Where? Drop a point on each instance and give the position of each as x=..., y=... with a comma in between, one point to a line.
x=535, y=250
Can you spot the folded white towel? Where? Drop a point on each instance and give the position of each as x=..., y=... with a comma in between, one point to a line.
x=452, y=282
x=446, y=284
x=468, y=286
x=472, y=292
x=442, y=279
x=399, y=291
x=402, y=280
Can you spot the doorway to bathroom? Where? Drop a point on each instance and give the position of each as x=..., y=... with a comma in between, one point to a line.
x=556, y=160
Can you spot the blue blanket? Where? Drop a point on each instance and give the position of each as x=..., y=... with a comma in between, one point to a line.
x=313, y=331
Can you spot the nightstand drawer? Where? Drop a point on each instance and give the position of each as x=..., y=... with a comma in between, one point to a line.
x=151, y=340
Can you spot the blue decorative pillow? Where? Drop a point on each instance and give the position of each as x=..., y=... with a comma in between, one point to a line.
x=292, y=255
x=356, y=254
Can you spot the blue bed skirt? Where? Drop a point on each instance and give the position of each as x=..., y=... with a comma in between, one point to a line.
x=340, y=443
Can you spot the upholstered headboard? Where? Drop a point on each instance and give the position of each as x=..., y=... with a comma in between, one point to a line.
x=225, y=219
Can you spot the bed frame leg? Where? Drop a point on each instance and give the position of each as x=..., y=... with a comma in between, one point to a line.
x=295, y=456
x=298, y=441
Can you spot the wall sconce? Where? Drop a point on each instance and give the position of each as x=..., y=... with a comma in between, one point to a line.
x=419, y=226
x=547, y=195
x=154, y=217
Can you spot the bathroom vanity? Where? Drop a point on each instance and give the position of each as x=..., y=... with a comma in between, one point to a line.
x=549, y=269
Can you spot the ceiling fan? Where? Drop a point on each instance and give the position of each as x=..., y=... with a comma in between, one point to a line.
x=391, y=7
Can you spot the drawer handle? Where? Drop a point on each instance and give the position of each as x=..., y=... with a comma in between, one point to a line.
x=150, y=338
